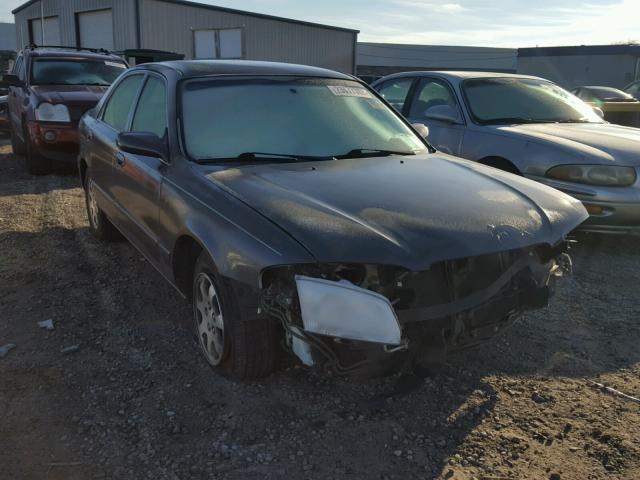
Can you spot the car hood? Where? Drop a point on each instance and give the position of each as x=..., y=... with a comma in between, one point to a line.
x=70, y=94
x=403, y=211
x=594, y=141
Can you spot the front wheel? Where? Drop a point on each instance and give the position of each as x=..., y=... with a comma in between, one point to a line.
x=237, y=348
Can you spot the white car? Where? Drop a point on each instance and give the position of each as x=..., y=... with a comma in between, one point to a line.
x=531, y=127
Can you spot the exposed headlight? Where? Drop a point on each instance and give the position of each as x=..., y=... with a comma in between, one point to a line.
x=47, y=112
x=603, y=175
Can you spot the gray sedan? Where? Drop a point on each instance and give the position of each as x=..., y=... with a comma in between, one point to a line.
x=532, y=127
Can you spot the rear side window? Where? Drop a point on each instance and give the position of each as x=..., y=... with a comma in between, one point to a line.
x=116, y=113
x=151, y=113
x=395, y=92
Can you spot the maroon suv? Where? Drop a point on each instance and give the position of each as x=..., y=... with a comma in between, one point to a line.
x=49, y=90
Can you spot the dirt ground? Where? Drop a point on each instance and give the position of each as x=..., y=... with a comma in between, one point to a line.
x=136, y=401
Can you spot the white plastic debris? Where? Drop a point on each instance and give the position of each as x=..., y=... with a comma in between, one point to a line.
x=4, y=350
x=46, y=324
x=69, y=349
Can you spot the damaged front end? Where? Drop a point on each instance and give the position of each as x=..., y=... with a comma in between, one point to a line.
x=372, y=319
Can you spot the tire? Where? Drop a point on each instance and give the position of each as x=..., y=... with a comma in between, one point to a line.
x=16, y=144
x=36, y=163
x=236, y=348
x=99, y=225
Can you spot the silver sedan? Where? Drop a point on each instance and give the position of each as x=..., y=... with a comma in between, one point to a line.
x=531, y=127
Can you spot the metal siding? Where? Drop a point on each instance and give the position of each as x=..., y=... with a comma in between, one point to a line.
x=168, y=26
x=123, y=12
x=580, y=70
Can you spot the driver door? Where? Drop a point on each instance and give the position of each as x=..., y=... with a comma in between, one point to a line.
x=446, y=136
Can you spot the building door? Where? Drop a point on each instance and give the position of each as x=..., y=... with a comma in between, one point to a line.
x=95, y=29
x=51, y=31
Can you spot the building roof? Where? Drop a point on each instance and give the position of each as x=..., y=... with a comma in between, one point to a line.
x=203, y=68
x=228, y=10
x=580, y=50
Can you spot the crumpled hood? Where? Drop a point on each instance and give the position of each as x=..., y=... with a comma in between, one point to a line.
x=403, y=211
x=595, y=141
x=87, y=95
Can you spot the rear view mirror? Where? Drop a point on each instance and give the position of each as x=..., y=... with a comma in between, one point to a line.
x=11, y=80
x=143, y=143
x=422, y=129
x=443, y=113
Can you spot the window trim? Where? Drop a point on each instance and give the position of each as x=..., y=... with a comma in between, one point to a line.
x=243, y=52
x=113, y=88
x=448, y=84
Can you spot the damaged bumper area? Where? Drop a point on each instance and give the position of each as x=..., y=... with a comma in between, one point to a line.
x=372, y=319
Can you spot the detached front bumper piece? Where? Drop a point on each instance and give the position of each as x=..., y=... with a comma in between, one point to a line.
x=372, y=319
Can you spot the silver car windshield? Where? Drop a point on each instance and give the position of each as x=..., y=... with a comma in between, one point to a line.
x=521, y=100
x=289, y=118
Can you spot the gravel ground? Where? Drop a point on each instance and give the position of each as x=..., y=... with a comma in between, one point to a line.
x=118, y=390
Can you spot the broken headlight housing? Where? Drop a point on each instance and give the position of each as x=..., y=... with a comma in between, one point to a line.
x=48, y=112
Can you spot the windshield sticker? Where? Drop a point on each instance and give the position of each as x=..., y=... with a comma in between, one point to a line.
x=114, y=64
x=342, y=91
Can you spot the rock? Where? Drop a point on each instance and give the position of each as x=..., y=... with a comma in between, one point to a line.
x=398, y=453
x=4, y=350
x=554, y=476
x=46, y=324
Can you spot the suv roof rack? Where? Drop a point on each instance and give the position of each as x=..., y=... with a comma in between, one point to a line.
x=33, y=46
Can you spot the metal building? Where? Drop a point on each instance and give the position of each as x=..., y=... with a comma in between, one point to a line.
x=192, y=29
x=606, y=65
x=379, y=59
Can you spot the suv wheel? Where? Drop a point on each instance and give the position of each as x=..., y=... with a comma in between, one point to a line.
x=36, y=163
x=16, y=144
x=99, y=225
x=238, y=349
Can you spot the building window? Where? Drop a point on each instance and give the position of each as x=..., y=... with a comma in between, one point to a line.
x=218, y=43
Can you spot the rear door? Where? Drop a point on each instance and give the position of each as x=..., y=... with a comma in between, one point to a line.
x=137, y=179
x=430, y=92
x=113, y=118
x=396, y=91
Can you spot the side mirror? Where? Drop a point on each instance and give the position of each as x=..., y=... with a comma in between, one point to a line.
x=443, y=113
x=598, y=111
x=422, y=129
x=143, y=143
x=11, y=80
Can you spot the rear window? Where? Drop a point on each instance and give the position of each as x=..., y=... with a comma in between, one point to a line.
x=56, y=71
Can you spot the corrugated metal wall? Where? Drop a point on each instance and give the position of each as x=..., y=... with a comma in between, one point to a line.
x=124, y=28
x=168, y=26
x=572, y=71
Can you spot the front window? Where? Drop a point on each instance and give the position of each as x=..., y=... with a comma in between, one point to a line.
x=57, y=71
x=299, y=117
x=521, y=100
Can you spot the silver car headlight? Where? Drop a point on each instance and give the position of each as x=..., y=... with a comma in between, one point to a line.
x=48, y=112
x=603, y=175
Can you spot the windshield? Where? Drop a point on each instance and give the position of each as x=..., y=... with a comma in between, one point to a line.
x=294, y=117
x=521, y=100
x=47, y=71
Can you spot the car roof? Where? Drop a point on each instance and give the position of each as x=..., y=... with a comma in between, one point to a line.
x=203, y=68
x=71, y=53
x=458, y=76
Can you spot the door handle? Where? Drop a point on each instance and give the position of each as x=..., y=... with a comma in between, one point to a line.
x=120, y=160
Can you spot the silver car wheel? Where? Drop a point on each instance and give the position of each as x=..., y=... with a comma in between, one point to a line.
x=209, y=320
x=94, y=210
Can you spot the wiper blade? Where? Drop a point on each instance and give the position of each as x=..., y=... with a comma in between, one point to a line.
x=253, y=156
x=371, y=152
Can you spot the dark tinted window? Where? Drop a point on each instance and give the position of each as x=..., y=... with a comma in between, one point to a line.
x=48, y=71
x=151, y=113
x=116, y=113
x=430, y=93
x=395, y=91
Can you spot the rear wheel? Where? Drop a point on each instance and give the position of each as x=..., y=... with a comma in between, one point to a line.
x=99, y=225
x=237, y=348
x=36, y=163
